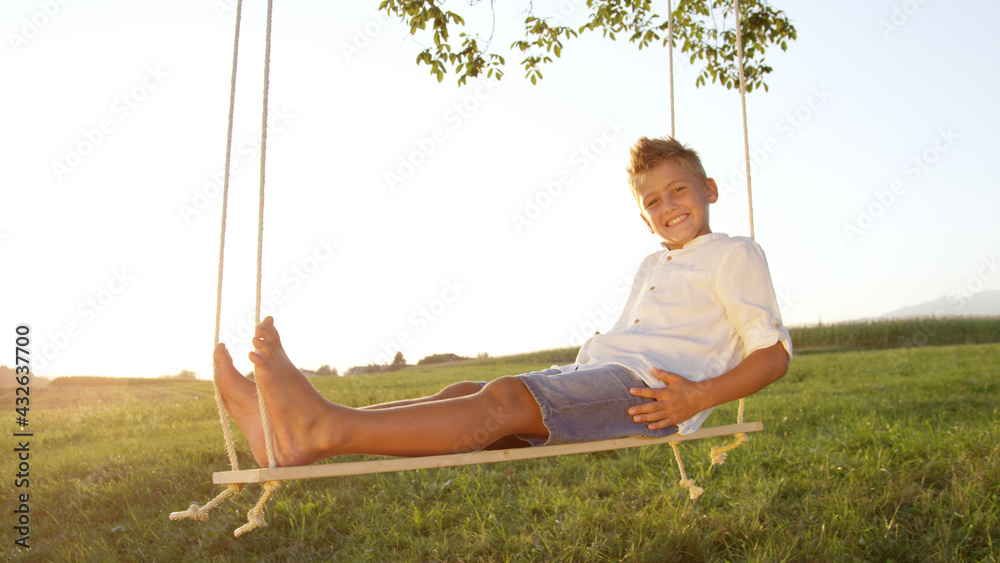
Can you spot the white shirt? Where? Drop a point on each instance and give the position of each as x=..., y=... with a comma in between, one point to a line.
x=697, y=311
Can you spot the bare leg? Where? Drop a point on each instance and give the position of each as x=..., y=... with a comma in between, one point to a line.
x=452, y=391
x=307, y=427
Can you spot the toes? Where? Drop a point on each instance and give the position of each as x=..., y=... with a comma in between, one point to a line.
x=257, y=359
x=221, y=354
x=266, y=331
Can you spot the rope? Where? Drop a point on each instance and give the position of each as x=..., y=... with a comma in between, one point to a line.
x=194, y=511
x=670, y=56
x=718, y=454
x=223, y=419
x=694, y=491
x=265, y=421
x=200, y=513
x=743, y=102
x=255, y=517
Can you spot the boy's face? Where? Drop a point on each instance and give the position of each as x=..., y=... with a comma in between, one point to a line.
x=674, y=203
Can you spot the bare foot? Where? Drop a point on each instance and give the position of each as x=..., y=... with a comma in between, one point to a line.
x=304, y=425
x=239, y=396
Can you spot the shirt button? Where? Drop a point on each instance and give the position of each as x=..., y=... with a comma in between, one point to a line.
x=670, y=257
x=652, y=288
x=637, y=321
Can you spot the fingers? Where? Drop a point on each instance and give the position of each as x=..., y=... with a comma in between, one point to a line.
x=651, y=412
x=646, y=408
x=643, y=392
x=655, y=419
x=666, y=376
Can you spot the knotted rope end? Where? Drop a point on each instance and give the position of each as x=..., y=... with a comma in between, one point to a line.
x=193, y=512
x=694, y=491
x=255, y=517
x=200, y=513
x=719, y=454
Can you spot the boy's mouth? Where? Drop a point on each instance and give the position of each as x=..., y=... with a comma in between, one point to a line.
x=676, y=220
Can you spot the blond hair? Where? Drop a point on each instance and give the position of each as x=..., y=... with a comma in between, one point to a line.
x=646, y=153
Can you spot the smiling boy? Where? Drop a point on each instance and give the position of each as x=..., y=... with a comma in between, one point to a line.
x=700, y=328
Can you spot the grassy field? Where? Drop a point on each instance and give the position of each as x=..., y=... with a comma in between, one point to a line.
x=867, y=455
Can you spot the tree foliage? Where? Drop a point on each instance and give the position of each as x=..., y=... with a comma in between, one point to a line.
x=325, y=369
x=398, y=362
x=703, y=29
x=183, y=375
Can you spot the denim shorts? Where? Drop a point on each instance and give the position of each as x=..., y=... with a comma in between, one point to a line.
x=588, y=404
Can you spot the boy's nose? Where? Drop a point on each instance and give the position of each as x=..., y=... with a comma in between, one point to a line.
x=669, y=204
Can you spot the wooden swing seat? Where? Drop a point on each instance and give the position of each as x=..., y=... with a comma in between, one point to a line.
x=473, y=458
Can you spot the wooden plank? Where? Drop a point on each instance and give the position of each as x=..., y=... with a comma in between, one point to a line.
x=429, y=462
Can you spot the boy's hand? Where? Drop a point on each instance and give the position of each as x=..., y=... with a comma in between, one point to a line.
x=678, y=401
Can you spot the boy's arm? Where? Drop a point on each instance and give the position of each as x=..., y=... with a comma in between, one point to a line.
x=682, y=398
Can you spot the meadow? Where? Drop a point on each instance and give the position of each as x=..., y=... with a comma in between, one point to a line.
x=882, y=454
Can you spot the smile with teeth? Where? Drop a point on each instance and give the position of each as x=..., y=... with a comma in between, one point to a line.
x=676, y=220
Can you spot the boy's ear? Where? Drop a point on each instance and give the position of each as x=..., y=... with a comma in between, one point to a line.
x=646, y=221
x=712, y=189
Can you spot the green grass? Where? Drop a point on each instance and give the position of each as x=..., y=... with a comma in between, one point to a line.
x=884, y=455
x=897, y=333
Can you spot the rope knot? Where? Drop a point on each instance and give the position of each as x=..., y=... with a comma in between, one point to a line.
x=718, y=457
x=694, y=491
x=200, y=513
x=255, y=517
x=254, y=520
x=719, y=453
x=193, y=512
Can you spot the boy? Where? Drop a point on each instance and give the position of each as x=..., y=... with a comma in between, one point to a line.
x=700, y=328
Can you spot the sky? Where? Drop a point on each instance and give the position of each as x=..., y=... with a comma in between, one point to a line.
x=403, y=214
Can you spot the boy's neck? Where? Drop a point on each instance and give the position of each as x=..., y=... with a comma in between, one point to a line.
x=700, y=239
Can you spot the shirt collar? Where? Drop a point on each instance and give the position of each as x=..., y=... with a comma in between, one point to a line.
x=698, y=241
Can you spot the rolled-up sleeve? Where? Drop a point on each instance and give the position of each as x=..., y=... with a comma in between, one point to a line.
x=748, y=296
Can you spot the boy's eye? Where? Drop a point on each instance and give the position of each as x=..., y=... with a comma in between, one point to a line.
x=651, y=202
x=679, y=188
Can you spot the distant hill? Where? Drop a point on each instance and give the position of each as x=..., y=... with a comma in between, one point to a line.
x=982, y=304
